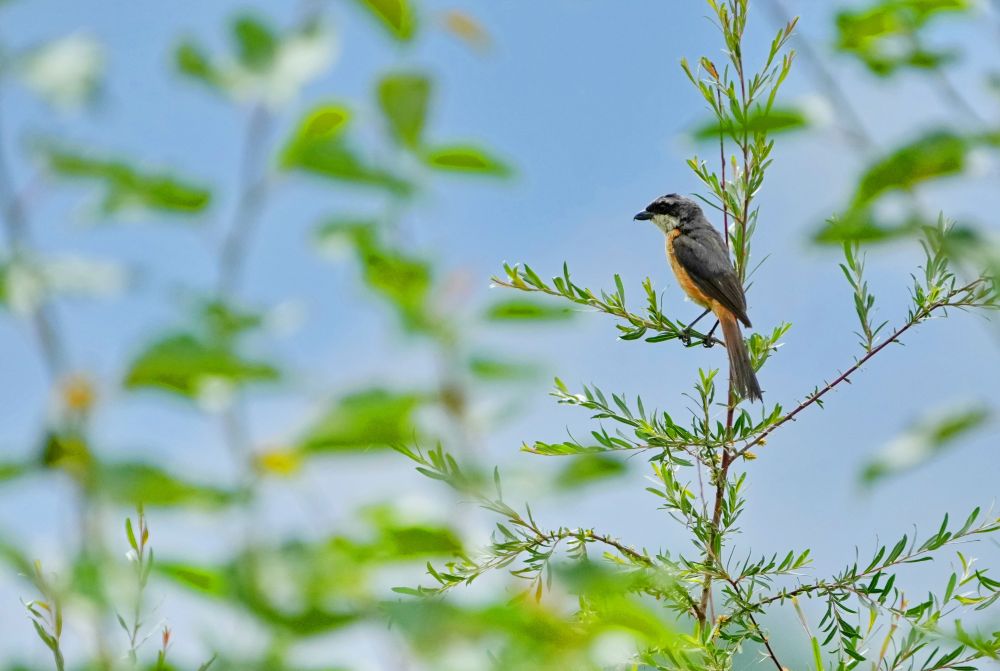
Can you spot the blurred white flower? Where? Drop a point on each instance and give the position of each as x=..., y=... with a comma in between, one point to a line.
x=215, y=394
x=77, y=276
x=299, y=60
x=817, y=110
x=67, y=71
x=31, y=281
x=286, y=318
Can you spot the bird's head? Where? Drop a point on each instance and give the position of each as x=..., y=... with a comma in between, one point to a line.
x=668, y=212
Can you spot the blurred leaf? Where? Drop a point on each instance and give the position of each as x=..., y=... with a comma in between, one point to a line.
x=522, y=635
x=924, y=441
x=192, y=61
x=488, y=368
x=132, y=483
x=318, y=146
x=398, y=538
x=67, y=450
x=65, y=72
x=885, y=36
x=322, y=123
x=588, y=468
x=184, y=364
x=11, y=470
x=465, y=159
x=403, y=98
x=212, y=581
x=125, y=186
x=861, y=226
x=374, y=418
x=404, y=280
x=778, y=120
x=521, y=309
x=396, y=15
x=466, y=28
x=256, y=43
x=260, y=580
x=937, y=154
x=224, y=321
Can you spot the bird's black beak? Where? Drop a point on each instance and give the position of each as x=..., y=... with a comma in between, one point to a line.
x=643, y=216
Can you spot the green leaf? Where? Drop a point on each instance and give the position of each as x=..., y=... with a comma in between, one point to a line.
x=403, y=98
x=132, y=483
x=465, y=159
x=191, y=61
x=778, y=120
x=520, y=309
x=887, y=35
x=860, y=225
x=324, y=122
x=256, y=43
x=924, y=441
x=489, y=368
x=318, y=146
x=11, y=470
x=935, y=155
x=588, y=468
x=395, y=15
x=373, y=418
x=127, y=187
x=403, y=279
x=184, y=364
x=212, y=581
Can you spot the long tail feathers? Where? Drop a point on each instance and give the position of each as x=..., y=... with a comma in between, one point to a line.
x=741, y=371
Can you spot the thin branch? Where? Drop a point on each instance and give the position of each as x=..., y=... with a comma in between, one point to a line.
x=17, y=228
x=844, y=377
x=763, y=636
x=694, y=338
x=252, y=190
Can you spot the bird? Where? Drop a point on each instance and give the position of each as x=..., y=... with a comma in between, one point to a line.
x=700, y=261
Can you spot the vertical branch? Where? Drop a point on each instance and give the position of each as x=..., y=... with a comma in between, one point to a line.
x=17, y=229
x=252, y=191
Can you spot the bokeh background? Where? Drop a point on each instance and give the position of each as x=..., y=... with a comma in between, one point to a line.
x=588, y=116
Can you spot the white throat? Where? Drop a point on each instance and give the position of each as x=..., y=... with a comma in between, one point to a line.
x=665, y=222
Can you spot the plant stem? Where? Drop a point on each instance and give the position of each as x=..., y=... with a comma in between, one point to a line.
x=843, y=377
x=252, y=192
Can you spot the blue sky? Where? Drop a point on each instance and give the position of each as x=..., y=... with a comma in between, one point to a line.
x=587, y=101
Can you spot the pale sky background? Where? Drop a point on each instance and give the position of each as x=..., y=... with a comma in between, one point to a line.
x=587, y=100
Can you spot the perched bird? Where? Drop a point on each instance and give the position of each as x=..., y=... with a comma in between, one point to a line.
x=700, y=260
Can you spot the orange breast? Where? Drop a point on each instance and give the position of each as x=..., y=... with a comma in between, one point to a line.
x=687, y=284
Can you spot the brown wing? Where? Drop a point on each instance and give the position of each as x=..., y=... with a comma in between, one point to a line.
x=703, y=254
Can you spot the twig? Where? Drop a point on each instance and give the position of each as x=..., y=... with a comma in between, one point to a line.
x=252, y=192
x=843, y=377
x=17, y=228
x=767, y=642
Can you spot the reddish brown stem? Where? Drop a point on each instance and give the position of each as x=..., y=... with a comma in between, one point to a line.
x=831, y=385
